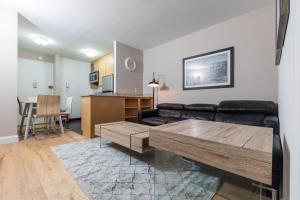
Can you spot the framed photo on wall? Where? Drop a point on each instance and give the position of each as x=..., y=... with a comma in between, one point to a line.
x=209, y=70
x=282, y=20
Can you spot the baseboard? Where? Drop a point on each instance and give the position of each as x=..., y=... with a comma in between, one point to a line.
x=9, y=139
x=74, y=119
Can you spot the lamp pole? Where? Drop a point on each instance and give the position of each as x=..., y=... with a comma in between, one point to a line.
x=153, y=98
x=153, y=84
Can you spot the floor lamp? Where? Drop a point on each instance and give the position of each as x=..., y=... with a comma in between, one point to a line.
x=153, y=84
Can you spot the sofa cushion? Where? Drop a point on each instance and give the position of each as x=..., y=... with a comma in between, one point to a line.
x=170, y=106
x=240, y=118
x=201, y=107
x=155, y=121
x=247, y=106
x=201, y=115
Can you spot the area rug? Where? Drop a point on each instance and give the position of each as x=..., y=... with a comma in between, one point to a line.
x=107, y=173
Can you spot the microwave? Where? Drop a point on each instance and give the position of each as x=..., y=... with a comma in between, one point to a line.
x=94, y=77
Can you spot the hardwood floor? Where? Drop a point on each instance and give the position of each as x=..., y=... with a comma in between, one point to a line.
x=30, y=171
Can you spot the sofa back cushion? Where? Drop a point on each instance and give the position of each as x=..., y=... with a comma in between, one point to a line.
x=201, y=107
x=173, y=110
x=169, y=113
x=248, y=106
x=199, y=111
x=240, y=118
x=247, y=112
x=170, y=106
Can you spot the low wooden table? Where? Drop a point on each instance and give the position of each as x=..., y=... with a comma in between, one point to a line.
x=127, y=134
x=239, y=149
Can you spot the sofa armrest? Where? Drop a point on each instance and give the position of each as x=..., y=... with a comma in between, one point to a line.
x=147, y=113
x=277, y=163
x=272, y=121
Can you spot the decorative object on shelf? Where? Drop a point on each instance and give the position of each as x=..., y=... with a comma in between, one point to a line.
x=130, y=64
x=209, y=70
x=154, y=84
x=282, y=19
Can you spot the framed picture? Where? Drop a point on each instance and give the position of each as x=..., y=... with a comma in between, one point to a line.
x=282, y=19
x=210, y=70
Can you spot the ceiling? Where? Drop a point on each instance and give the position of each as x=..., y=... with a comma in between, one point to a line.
x=76, y=24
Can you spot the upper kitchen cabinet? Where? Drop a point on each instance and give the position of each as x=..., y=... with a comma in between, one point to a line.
x=104, y=65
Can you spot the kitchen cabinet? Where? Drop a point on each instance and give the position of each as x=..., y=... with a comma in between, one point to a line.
x=104, y=65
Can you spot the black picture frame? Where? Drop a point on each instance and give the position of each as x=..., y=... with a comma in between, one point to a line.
x=231, y=68
x=282, y=20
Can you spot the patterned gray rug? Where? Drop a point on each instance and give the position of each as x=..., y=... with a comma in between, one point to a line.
x=106, y=173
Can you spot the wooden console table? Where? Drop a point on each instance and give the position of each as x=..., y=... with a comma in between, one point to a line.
x=239, y=149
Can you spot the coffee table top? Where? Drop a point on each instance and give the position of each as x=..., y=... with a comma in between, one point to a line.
x=243, y=136
x=127, y=128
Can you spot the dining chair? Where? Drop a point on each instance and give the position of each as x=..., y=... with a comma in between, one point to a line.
x=23, y=113
x=48, y=107
x=67, y=111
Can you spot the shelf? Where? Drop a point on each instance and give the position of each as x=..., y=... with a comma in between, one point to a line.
x=145, y=106
x=131, y=107
x=94, y=85
x=131, y=103
x=128, y=117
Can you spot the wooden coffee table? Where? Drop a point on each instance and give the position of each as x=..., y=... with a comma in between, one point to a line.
x=127, y=134
x=239, y=149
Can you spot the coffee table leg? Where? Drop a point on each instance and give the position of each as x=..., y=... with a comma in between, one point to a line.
x=130, y=148
x=100, y=137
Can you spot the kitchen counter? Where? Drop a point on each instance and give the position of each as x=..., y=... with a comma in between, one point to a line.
x=118, y=95
x=104, y=108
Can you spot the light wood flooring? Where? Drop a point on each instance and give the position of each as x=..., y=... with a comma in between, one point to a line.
x=30, y=171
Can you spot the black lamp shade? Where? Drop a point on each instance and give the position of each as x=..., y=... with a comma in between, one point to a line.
x=153, y=83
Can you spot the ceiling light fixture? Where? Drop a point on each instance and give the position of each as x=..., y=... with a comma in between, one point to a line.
x=90, y=52
x=41, y=40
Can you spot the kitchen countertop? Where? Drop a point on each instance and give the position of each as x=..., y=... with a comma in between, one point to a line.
x=117, y=95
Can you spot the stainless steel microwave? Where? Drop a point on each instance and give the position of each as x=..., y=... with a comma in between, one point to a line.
x=94, y=77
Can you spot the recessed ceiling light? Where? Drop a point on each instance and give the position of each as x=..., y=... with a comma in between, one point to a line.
x=90, y=52
x=41, y=40
x=40, y=58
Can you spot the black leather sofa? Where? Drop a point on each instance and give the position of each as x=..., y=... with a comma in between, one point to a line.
x=256, y=113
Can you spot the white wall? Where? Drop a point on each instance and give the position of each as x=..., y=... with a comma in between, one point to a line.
x=252, y=35
x=8, y=73
x=25, y=53
x=59, y=72
x=289, y=104
x=30, y=71
x=76, y=73
x=125, y=81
